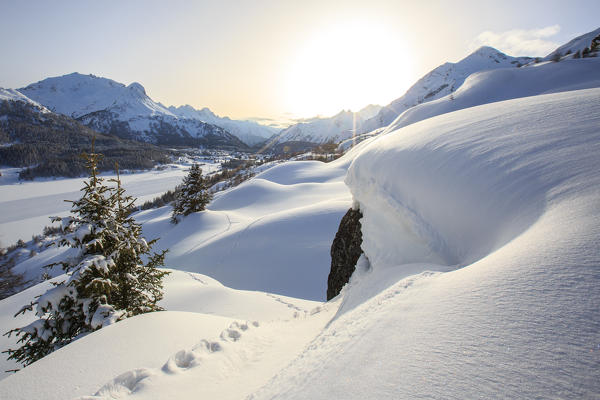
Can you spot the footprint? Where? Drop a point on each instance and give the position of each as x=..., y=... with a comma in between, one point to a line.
x=183, y=359
x=206, y=346
x=129, y=382
x=125, y=383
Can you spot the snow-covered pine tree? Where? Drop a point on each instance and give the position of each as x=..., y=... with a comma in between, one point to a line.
x=192, y=195
x=107, y=279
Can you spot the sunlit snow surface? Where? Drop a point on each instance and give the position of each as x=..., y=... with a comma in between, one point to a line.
x=509, y=195
x=481, y=229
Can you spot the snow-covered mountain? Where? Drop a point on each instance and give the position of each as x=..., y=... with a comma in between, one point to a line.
x=249, y=132
x=76, y=95
x=438, y=83
x=15, y=95
x=575, y=45
x=332, y=129
x=442, y=81
x=127, y=111
x=505, y=84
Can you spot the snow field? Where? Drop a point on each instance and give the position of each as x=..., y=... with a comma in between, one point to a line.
x=272, y=233
x=479, y=280
x=510, y=205
x=200, y=311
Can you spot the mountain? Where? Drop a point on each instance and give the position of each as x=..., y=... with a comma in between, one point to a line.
x=15, y=95
x=50, y=144
x=442, y=81
x=249, y=132
x=505, y=84
x=576, y=45
x=438, y=83
x=322, y=130
x=126, y=111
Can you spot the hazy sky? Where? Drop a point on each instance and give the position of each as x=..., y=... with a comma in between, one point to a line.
x=272, y=58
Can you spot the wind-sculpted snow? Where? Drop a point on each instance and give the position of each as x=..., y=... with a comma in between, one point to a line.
x=272, y=233
x=505, y=84
x=503, y=199
x=442, y=81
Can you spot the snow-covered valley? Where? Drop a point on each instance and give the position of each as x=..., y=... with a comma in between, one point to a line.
x=479, y=275
x=482, y=243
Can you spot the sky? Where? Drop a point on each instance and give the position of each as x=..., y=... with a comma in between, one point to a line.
x=272, y=60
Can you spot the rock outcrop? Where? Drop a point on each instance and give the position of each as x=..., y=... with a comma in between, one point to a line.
x=345, y=252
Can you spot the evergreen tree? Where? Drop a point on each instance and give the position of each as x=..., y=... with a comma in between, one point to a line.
x=107, y=280
x=192, y=195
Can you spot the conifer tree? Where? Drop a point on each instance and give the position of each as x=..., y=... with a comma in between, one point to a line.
x=107, y=279
x=192, y=195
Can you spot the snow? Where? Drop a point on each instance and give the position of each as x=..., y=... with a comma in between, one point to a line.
x=200, y=311
x=479, y=277
x=249, y=132
x=341, y=126
x=503, y=84
x=298, y=203
x=15, y=95
x=28, y=206
x=577, y=44
x=80, y=96
x=514, y=206
x=442, y=81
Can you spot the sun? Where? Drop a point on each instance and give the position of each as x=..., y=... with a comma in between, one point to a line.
x=348, y=66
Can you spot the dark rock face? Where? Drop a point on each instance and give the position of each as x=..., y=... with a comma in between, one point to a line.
x=345, y=252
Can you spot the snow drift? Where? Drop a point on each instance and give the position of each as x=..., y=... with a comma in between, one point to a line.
x=504, y=84
x=504, y=195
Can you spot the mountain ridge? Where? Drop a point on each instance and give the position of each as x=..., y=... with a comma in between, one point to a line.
x=437, y=83
x=111, y=106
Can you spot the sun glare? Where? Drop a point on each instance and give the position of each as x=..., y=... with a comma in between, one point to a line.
x=348, y=66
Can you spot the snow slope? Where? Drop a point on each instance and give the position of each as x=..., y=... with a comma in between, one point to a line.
x=300, y=203
x=15, y=95
x=272, y=233
x=481, y=231
x=505, y=196
x=575, y=45
x=76, y=95
x=503, y=84
x=442, y=81
x=197, y=307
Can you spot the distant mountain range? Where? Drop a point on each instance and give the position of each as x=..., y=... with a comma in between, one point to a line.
x=333, y=129
x=128, y=112
x=438, y=83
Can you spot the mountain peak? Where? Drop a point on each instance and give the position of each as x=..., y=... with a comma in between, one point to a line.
x=486, y=50
x=137, y=88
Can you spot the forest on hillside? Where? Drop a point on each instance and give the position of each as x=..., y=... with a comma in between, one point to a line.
x=50, y=144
